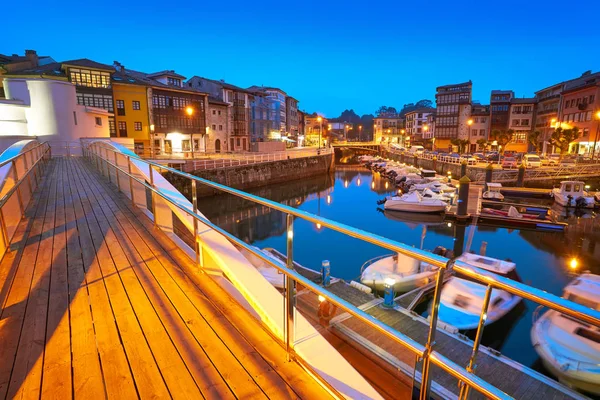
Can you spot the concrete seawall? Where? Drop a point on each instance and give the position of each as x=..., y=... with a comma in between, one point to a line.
x=245, y=177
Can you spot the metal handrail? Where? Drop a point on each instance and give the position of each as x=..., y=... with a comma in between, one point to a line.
x=14, y=158
x=489, y=278
x=422, y=351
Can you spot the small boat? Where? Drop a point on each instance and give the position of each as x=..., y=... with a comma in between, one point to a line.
x=461, y=300
x=406, y=272
x=271, y=274
x=429, y=194
x=511, y=213
x=569, y=348
x=414, y=219
x=415, y=202
x=493, y=192
x=571, y=194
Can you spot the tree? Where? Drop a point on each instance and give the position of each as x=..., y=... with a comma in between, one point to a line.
x=386, y=111
x=562, y=138
x=483, y=143
x=424, y=103
x=533, y=138
x=503, y=137
x=461, y=144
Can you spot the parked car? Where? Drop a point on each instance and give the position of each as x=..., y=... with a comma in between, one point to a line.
x=479, y=157
x=532, y=161
x=555, y=157
x=494, y=156
x=509, y=162
x=469, y=159
x=416, y=150
x=547, y=161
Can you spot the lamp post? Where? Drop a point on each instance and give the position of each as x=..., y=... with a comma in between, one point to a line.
x=425, y=130
x=360, y=133
x=402, y=132
x=596, y=137
x=320, y=130
x=469, y=123
x=190, y=111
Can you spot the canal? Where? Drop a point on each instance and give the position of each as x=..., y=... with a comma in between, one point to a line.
x=350, y=196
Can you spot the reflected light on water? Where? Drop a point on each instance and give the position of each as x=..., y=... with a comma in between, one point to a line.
x=358, y=182
x=373, y=185
x=328, y=199
x=574, y=263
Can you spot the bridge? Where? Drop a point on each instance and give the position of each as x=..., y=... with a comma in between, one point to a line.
x=101, y=297
x=368, y=146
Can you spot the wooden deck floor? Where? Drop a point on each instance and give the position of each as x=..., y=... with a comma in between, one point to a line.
x=95, y=303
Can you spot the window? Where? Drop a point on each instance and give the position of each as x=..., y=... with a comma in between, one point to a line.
x=111, y=127
x=219, y=112
x=482, y=132
x=524, y=122
x=214, y=112
x=96, y=100
x=474, y=132
x=515, y=122
x=185, y=145
x=214, y=127
x=517, y=110
x=120, y=107
x=122, y=129
x=137, y=126
x=75, y=117
x=592, y=98
x=135, y=105
x=220, y=127
x=88, y=78
x=238, y=142
x=98, y=121
x=173, y=82
x=520, y=137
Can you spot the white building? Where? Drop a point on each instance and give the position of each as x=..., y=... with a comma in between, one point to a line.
x=48, y=108
x=416, y=124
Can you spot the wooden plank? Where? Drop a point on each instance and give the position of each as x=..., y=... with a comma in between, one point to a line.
x=264, y=375
x=148, y=379
x=87, y=372
x=57, y=379
x=117, y=376
x=137, y=316
x=14, y=307
x=26, y=376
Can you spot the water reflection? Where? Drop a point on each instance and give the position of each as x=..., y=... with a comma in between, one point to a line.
x=351, y=197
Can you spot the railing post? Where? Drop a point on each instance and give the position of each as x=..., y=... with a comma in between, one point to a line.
x=117, y=172
x=16, y=179
x=152, y=201
x=464, y=390
x=425, y=374
x=197, y=247
x=130, y=181
x=290, y=287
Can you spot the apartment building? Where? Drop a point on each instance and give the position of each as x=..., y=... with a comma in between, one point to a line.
x=415, y=124
x=479, y=127
x=291, y=118
x=500, y=101
x=315, y=130
x=389, y=129
x=452, y=113
x=217, y=126
x=14, y=62
x=521, y=122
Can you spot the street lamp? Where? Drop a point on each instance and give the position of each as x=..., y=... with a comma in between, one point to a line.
x=190, y=111
x=402, y=131
x=320, y=120
x=425, y=130
x=469, y=123
x=596, y=137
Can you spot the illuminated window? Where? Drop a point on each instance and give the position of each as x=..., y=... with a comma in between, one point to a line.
x=120, y=107
x=137, y=126
x=122, y=129
x=135, y=105
x=98, y=121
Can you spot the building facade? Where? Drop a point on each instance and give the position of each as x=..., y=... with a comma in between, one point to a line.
x=500, y=101
x=315, y=130
x=217, y=126
x=521, y=122
x=14, y=62
x=580, y=108
x=291, y=118
x=390, y=129
x=453, y=112
x=479, y=127
x=416, y=124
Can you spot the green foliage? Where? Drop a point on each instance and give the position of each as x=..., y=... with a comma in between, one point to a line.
x=483, y=143
x=562, y=138
x=534, y=140
x=461, y=144
x=503, y=137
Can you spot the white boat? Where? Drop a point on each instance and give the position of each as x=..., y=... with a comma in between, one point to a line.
x=429, y=194
x=406, y=272
x=570, y=349
x=435, y=186
x=461, y=300
x=493, y=191
x=271, y=274
x=571, y=194
x=414, y=202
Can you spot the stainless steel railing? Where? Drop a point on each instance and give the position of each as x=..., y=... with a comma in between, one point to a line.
x=98, y=153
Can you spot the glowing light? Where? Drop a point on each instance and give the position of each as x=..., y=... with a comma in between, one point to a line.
x=290, y=234
x=319, y=119
x=373, y=185
x=345, y=184
x=189, y=110
x=484, y=316
x=328, y=199
x=449, y=224
x=358, y=182
x=152, y=128
x=318, y=225
x=399, y=191
x=574, y=263
x=598, y=115
x=470, y=122
x=386, y=185
x=389, y=282
x=321, y=299
x=587, y=187
x=449, y=172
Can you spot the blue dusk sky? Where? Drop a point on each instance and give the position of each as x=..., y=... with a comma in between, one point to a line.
x=330, y=55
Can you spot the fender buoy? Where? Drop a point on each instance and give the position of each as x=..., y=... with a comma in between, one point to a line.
x=326, y=312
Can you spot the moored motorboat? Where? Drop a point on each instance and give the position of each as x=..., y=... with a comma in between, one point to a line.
x=461, y=300
x=568, y=348
x=572, y=194
x=415, y=202
x=406, y=272
x=493, y=192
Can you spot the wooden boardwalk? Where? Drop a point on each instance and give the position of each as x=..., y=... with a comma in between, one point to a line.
x=96, y=303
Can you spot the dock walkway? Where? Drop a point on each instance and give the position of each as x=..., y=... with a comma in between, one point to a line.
x=96, y=303
x=511, y=377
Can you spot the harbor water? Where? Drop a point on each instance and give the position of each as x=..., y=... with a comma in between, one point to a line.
x=544, y=259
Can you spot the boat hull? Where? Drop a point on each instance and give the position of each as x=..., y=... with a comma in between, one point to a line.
x=413, y=207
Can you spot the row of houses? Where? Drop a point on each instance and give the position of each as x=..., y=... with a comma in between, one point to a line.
x=568, y=104
x=162, y=112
